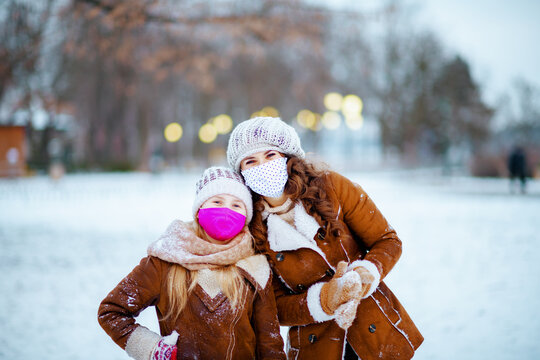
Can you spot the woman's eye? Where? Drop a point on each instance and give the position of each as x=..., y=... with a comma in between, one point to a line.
x=270, y=155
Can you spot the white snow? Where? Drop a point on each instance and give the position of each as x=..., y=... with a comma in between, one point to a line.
x=469, y=273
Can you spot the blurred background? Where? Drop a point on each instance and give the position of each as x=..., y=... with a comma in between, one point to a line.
x=148, y=85
x=110, y=110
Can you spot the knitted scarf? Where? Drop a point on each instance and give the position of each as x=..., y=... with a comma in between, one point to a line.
x=180, y=245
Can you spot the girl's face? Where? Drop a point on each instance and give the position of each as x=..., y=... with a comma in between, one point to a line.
x=259, y=158
x=226, y=200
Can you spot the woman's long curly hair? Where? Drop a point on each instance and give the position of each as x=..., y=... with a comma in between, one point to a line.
x=307, y=183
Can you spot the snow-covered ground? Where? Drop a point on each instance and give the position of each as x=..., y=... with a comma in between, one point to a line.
x=469, y=273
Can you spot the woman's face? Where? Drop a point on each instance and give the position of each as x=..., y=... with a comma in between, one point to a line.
x=225, y=200
x=259, y=158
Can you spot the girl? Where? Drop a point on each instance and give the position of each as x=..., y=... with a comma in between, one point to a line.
x=212, y=295
x=329, y=247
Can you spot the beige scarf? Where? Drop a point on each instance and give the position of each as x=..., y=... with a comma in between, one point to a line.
x=180, y=245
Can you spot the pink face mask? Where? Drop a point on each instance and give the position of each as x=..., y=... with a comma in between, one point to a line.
x=221, y=223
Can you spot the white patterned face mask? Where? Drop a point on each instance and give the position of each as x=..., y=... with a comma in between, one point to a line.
x=268, y=179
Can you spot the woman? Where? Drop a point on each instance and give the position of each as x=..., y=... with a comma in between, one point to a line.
x=213, y=295
x=329, y=248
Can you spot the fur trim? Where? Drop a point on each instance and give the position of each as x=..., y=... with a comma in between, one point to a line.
x=141, y=343
x=314, y=303
x=305, y=223
x=257, y=266
x=284, y=237
x=373, y=270
x=209, y=281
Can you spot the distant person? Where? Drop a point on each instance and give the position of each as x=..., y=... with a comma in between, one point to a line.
x=517, y=167
x=213, y=296
x=329, y=247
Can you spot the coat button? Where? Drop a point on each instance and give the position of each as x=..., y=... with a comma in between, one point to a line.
x=372, y=328
x=312, y=338
x=280, y=257
x=321, y=233
x=300, y=287
x=330, y=272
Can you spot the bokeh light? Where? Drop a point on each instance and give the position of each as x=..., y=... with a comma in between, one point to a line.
x=173, y=132
x=269, y=111
x=352, y=105
x=306, y=119
x=207, y=133
x=317, y=125
x=332, y=101
x=354, y=122
x=223, y=123
x=266, y=111
x=331, y=120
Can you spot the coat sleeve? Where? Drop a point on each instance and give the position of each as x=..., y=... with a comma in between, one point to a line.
x=298, y=309
x=368, y=224
x=137, y=291
x=266, y=325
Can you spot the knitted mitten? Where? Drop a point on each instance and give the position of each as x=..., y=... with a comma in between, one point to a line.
x=367, y=280
x=346, y=313
x=343, y=287
x=166, y=348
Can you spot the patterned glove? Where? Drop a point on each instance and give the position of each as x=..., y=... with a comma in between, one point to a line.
x=165, y=348
x=164, y=351
x=343, y=287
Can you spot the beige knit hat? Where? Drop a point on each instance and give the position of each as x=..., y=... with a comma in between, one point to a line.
x=262, y=134
x=221, y=180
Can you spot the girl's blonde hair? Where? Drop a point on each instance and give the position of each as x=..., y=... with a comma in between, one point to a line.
x=181, y=282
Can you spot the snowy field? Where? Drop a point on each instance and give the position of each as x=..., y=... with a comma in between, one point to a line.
x=469, y=274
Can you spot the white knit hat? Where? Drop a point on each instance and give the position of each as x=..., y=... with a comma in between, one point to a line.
x=262, y=134
x=221, y=180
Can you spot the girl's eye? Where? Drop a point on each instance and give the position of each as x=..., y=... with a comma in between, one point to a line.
x=270, y=155
x=249, y=162
x=236, y=205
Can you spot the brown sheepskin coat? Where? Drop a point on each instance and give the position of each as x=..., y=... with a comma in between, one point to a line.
x=208, y=328
x=382, y=328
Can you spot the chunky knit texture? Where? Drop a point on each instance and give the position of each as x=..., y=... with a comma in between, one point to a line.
x=221, y=180
x=180, y=245
x=262, y=134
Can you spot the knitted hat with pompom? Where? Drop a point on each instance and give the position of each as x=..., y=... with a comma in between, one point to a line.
x=262, y=134
x=221, y=180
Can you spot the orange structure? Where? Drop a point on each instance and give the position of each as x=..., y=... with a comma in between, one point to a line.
x=12, y=151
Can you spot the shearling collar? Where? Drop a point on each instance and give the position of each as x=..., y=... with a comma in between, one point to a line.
x=284, y=237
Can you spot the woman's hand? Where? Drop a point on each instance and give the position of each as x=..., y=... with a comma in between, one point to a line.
x=367, y=280
x=343, y=287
